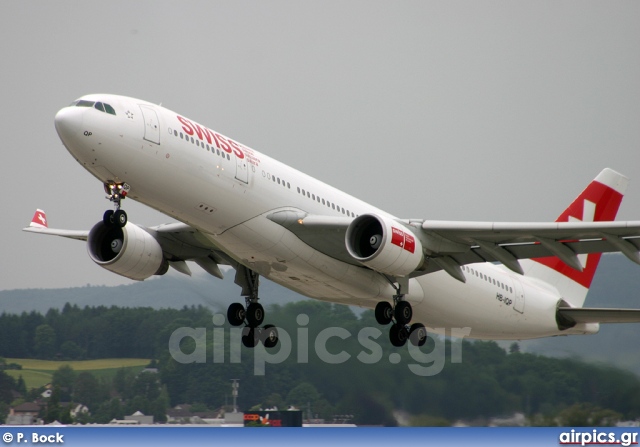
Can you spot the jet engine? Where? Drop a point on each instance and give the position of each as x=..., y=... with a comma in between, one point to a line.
x=129, y=251
x=383, y=245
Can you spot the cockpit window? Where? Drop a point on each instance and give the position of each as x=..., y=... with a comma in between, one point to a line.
x=110, y=110
x=103, y=107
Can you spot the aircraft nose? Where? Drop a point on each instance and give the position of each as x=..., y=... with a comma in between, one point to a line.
x=68, y=122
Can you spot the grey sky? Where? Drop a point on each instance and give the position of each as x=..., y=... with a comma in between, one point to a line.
x=472, y=110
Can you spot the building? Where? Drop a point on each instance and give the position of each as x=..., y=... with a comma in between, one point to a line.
x=24, y=414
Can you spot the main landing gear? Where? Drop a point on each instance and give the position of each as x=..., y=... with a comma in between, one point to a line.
x=116, y=193
x=253, y=315
x=400, y=315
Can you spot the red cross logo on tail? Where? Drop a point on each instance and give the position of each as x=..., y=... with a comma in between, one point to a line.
x=39, y=220
x=598, y=202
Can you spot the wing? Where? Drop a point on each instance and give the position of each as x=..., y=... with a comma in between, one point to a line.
x=71, y=234
x=469, y=242
x=179, y=243
x=586, y=226
x=459, y=243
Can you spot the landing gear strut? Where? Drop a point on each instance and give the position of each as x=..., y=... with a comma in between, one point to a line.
x=400, y=314
x=253, y=315
x=116, y=192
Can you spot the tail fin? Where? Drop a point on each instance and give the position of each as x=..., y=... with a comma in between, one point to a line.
x=39, y=220
x=599, y=201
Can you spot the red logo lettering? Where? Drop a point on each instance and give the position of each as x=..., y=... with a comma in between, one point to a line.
x=186, y=125
x=236, y=148
x=203, y=133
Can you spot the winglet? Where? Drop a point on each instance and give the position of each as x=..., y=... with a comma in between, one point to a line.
x=39, y=220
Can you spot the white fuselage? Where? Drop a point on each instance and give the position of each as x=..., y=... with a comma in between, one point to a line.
x=225, y=190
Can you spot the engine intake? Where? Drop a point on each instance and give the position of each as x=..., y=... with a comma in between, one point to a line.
x=130, y=251
x=383, y=245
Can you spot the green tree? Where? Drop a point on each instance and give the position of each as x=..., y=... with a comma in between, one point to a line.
x=123, y=382
x=147, y=385
x=303, y=395
x=160, y=405
x=64, y=377
x=53, y=412
x=45, y=341
x=108, y=411
x=21, y=386
x=588, y=415
x=7, y=384
x=86, y=390
x=70, y=350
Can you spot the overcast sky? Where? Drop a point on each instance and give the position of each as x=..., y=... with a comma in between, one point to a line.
x=457, y=110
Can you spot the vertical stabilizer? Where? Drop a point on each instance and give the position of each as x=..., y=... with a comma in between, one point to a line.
x=599, y=201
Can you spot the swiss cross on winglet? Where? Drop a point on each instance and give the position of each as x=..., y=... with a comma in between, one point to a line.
x=39, y=220
x=597, y=203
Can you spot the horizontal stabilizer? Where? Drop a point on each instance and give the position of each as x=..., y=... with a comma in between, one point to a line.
x=594, y=315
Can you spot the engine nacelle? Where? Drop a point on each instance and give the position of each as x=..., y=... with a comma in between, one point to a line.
x=129, y=251
x=384, y=245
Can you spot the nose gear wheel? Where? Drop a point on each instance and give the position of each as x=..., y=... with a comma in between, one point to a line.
x=116, y=193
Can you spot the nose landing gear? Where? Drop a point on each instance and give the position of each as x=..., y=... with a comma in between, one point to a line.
x=116, y=193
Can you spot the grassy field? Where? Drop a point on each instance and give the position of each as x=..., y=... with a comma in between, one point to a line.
x=37, y=373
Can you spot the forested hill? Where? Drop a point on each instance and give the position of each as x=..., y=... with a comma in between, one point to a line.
x=617, y=284
x=353, y=370
x=173, y=290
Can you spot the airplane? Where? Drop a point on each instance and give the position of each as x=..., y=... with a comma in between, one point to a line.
x=239, y=207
